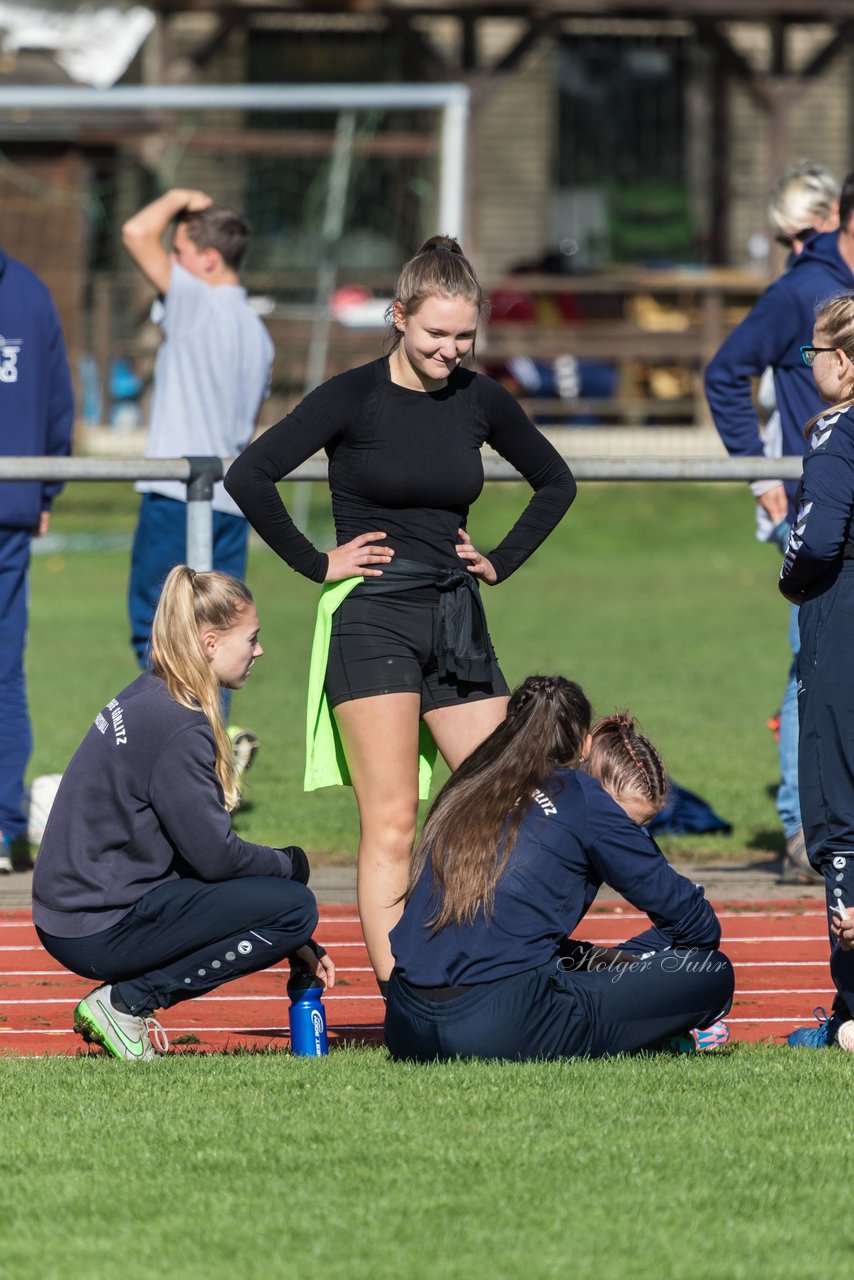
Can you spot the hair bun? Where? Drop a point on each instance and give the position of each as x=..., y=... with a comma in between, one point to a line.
x=442, y=244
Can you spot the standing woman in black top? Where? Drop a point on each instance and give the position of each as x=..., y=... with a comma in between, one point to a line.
x=409, y=644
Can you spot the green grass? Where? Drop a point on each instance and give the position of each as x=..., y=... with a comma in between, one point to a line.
x=260, y=1165
x=652, y=596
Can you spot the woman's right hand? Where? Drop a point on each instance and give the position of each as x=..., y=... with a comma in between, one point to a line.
x=357, y=557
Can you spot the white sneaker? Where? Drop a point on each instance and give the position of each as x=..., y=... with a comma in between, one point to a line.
x=845, y=1036
x=124, y=1035
x=5, y=859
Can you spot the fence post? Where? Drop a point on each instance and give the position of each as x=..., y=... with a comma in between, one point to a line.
x=200, y=485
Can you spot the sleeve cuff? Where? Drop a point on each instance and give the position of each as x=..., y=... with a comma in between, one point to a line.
x=760, y=487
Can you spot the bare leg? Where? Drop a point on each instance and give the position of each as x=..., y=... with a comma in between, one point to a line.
x=380, y=737
x=459, y=729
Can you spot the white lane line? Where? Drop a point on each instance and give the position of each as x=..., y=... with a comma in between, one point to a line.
x=616, y=916
x=235, y=1031
x=211, y=998
x=36, y=947
x=66, y=973
x=207, y=999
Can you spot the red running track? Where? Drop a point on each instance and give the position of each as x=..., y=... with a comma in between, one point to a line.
x=779, y=950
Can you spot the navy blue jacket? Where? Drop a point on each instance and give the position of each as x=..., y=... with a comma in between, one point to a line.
x=772, y=334
x=140, y=804
x=822, y=525
x=573, y=839
x=36, y=400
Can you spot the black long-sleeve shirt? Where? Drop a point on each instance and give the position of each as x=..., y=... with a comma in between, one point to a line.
x=139, y=804
x=573, y=839
x=825, y=506
x=405, y=463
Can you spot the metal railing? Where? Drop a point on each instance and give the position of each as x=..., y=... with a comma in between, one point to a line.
x=200, y=473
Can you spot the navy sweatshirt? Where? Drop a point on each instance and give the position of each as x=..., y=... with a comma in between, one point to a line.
x=406, y=463
x=140, y=804
x=36, y=402
x=772, y=334
x=822, y=526
x=573, y=839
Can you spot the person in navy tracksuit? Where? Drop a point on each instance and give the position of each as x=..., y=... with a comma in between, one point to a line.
x=821, y=265
x=36, y=415
x=818, y=575
x=513, y=853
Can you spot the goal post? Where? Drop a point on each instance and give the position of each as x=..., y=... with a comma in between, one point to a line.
x=451, y=100
x=340, y=182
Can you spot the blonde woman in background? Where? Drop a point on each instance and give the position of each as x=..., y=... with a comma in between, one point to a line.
x=804, y=212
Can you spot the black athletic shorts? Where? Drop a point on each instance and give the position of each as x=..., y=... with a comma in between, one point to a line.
x=384, y=644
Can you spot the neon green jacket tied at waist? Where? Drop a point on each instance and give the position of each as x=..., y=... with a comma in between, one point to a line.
x=325, y=762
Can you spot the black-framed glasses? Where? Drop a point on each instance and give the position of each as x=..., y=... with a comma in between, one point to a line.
x=809, y=353
x=805, y=234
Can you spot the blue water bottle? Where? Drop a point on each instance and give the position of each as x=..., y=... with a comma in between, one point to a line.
x=306, y=1016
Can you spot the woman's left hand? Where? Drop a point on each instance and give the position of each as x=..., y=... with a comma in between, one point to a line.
x=477, y=564
x=322, y=967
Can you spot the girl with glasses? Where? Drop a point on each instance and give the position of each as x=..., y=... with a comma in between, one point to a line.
x=818, y=575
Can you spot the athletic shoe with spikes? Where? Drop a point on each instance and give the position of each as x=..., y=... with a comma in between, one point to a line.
x=820, y=1037
x=123, y=1035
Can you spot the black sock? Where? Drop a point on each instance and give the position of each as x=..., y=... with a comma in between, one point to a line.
x=118, y=1003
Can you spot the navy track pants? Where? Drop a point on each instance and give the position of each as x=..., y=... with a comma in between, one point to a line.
x=186, y=937
x=826, y=751
x=559, y=1012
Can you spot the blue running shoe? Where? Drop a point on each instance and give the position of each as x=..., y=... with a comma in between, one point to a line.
x=820, y=1037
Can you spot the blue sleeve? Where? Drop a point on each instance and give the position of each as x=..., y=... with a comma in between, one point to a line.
x=762, y=339
x=60, y=404
x=826, y=498
x=627, y=858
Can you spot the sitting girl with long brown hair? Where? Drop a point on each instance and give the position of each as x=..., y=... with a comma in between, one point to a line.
x=513, y=853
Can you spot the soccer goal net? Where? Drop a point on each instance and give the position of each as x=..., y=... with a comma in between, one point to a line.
x=340, y=184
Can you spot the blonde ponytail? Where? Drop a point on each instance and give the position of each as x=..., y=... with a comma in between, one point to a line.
x=189, y=603
x=835, y=317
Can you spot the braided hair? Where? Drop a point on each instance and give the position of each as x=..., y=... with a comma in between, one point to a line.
x=626, y=762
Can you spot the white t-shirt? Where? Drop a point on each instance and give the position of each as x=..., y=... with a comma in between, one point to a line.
x=212, y=372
